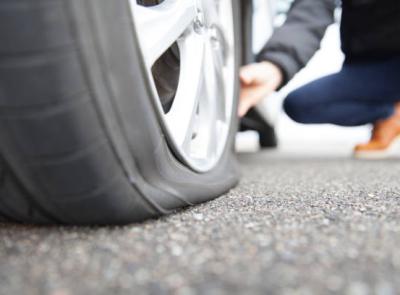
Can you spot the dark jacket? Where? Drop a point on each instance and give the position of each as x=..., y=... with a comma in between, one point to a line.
x=370, y=29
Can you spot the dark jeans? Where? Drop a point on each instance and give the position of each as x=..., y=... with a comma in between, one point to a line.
x=361, y=93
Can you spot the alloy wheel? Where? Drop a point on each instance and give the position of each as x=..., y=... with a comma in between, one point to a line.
x=189, y=56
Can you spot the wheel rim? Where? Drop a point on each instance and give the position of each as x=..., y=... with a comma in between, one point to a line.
x=199, y=116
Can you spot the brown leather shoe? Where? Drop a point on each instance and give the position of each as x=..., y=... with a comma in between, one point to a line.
x=385, y=139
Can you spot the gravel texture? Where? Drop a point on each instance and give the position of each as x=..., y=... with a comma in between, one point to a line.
x=293, y=226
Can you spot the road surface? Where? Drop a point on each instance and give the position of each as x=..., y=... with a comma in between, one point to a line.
x=297, y=224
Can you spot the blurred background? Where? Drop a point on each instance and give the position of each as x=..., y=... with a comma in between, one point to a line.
x=293, y=137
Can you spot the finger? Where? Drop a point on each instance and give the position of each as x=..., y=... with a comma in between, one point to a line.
x=243, y=108
x=250, y=97
x=247, y=74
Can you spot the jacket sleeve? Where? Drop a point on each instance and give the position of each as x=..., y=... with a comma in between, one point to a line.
x=295, y=42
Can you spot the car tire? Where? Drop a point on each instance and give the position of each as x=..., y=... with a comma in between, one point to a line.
x=81, y=139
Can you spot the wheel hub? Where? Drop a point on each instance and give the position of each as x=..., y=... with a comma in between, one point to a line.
x=199, y=22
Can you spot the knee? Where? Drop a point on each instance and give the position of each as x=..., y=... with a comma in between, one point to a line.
x=296, y=106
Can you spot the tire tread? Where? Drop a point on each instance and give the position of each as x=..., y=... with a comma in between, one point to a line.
x=56, y=153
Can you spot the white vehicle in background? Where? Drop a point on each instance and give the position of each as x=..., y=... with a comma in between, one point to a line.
x=265, y=16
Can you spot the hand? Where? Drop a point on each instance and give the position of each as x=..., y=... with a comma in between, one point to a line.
x=257, y=80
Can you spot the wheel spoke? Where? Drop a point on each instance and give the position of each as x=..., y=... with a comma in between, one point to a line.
x=212, y=103
x=219, y=80
x=182, y=114
x=161, y=25
x=215, y=84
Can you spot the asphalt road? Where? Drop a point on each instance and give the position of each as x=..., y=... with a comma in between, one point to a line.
x=295, y=225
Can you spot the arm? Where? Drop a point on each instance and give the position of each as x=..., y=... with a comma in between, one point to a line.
x=289, y=49
x=292, y=45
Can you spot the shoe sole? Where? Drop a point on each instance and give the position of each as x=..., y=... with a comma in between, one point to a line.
x=392, y=151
